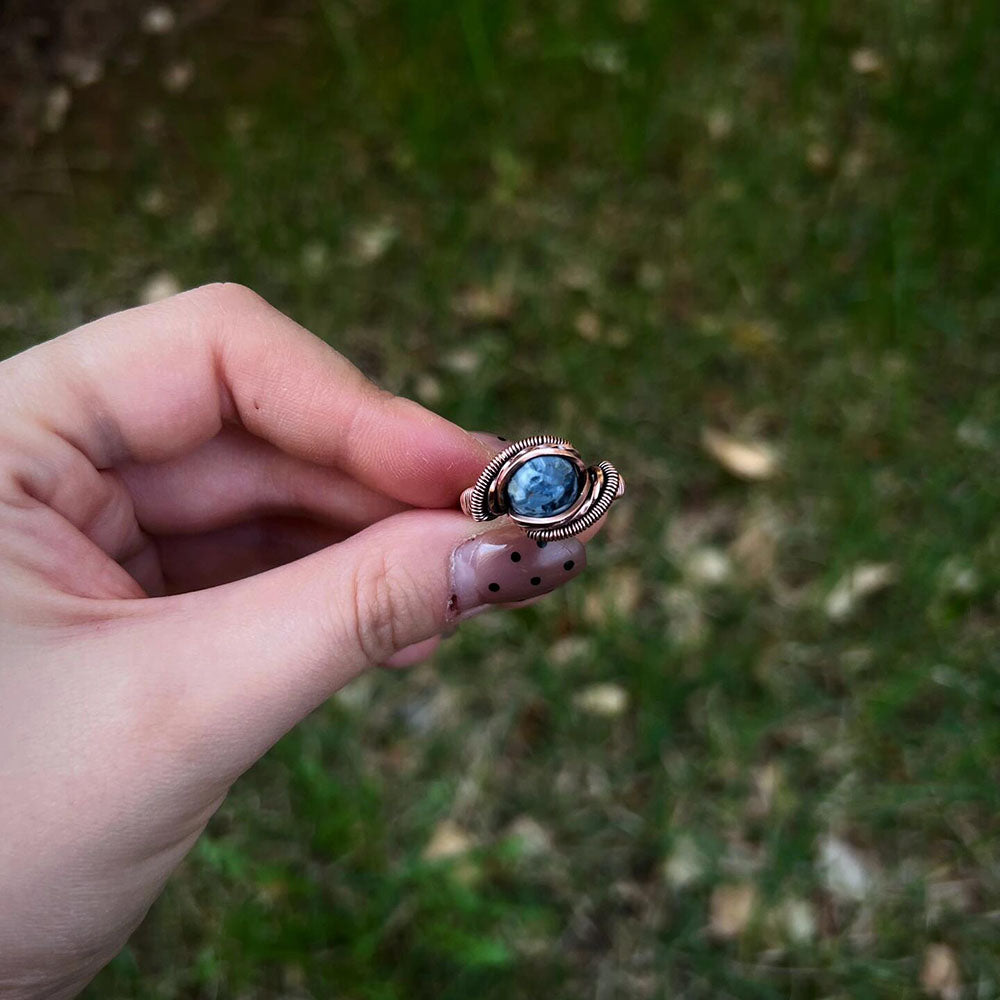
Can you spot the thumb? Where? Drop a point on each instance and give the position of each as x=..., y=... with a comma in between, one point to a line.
x=251, y=658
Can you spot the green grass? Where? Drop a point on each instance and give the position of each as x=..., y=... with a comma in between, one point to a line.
x=758, y=238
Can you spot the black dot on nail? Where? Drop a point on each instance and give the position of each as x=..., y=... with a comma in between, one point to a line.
x=494, y=587
x=569, y=564
x=501, y=438
x=535, y=581
x=515, y=557
x=541, y=545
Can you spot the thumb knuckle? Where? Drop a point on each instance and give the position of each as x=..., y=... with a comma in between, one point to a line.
x=386, y=608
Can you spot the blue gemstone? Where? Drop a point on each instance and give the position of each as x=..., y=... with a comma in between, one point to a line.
x=543, y=487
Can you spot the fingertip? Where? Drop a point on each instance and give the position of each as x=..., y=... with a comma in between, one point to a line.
x=416, y=455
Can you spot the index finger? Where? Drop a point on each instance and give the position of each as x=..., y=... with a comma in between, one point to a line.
x=151, y=383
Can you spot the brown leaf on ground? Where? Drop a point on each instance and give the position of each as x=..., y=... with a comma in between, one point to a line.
x=940, y=975
x=617, y=596
x=588, y=325
x=633, y=11
x=484, y=304
x=606, y=700
x=448, y=840
x=847, y=875
x=858, y=583
x=730, y=909
x=533, y=839
x=371, y=241
x=685, y=864
x=747, y=459
x=755, y=547
x=158, y=287
x=867, y=62
x=797, y=920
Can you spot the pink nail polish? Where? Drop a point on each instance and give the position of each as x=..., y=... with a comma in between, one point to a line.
x=495, y=441
x=505, y=566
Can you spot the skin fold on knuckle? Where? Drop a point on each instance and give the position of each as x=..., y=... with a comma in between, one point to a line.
x=385, y=609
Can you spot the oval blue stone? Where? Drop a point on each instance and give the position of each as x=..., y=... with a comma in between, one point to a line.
x=543, y=487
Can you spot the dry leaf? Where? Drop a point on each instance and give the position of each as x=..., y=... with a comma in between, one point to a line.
x=866, y=62
x=532, y=838
x=633, y=11
x=617, y=596
x=686, y=863
x=766, y=783
x=730, y=909
x=158, y=20
x=463, y=361
x=153, y=201
x=588, y=325
x=688, y=624
x=947, y=897
x=707, y=566
x=606, y=57
x=746, y=459
x=371, y=241
x=356, y=695
x=755, y=548
x=797, y=919
x=649, y=276
x=570, y=648
x=315, y=257
x=581, y=277
x=618, y=336
x=608, y=700
x=205, y=220
x=819, y=157
x=940, y=976
x=719, y=124
x=178, y=76
x=844, y=871
x=481, y=304
x=859, y=582
x=449, y=840
x=862, y=933
x=427, y=389
x=57, y=103
x=83, y=70
x=698, y=526
x=973, y=434
x=160, y=286
x=754, y=336
x=958, y=576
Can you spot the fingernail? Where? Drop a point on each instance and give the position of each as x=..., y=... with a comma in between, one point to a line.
x=492, y=440
x=505, y=566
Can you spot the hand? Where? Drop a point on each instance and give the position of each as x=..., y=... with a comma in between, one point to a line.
x=172, y=483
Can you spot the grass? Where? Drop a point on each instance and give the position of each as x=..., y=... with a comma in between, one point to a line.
x=624, y=223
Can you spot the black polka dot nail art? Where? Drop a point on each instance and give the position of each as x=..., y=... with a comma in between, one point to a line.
x=500, y=568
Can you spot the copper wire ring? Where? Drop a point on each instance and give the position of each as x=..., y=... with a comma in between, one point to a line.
x=598, y=488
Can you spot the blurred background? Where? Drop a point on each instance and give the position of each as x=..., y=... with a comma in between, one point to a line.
x=749, y=252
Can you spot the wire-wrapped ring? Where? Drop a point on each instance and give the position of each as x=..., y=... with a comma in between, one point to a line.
x=542, y=484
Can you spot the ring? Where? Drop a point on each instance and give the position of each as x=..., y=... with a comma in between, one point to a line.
x=544, y=486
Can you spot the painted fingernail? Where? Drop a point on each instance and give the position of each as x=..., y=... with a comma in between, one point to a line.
x=505, y=566
x=492, y=440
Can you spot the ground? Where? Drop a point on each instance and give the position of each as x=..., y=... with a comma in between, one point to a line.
x=749, y=253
